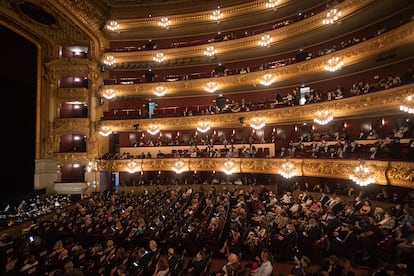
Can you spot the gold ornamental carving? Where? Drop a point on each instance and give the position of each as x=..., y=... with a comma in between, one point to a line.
x=401, y=174
x=70, y=94
x=80, y=125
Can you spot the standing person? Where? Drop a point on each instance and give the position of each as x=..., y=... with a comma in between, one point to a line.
x=266, y=266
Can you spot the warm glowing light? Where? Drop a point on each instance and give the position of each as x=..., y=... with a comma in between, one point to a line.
x=265, y=40
x=203, y=127
x=210, y=51
x=409, y=106
x=160, y=91
x=153, y=129
x=334, y=64
x=229, y=167
x=109, y=60
x=257, y=123
x=332, y=16
x=216, y=15
x=287, y=170
x=109, y=94
x=132, y=167
x=267, y=80
x=211, y=87
x=272, y=3
x=179, y=167
x=362, y=176
x=112, y=26
x=105, y=131
x=164, y=22
x=159, y=57
x=323, y=117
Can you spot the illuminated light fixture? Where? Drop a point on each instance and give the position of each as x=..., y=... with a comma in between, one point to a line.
x=132, y=167
x=257, y=123
x=109, y=60
x=287, y=170
x=229, y=167
x=179, y=167
x=362, y=176
x=272, y=3
x=160, y=91
x=323, y=117
x=265, y=40
x=164, y=22
x=210, y=51
x=112, y=26
x=267, y=79
x=216, y=15
x=109, y=94
x=105, y=131
x=334, y=64
x=159, y=57
x=332, y=16
x=203, y=127
x=153, y=129
x=408, y=107
x=211, y=87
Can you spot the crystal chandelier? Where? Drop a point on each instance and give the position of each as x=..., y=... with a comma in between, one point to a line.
x=109, y=94
x=159, y=57
x=272, y=3
x=203, y=127
x=164, y=22
x=267, y=79
x=334, y=64
x=210, y=51
x=112, y=26
x=287, y=170
x=153, y=129
x=105, y=131
x=323, y=117
x=160, y=91
x=179, y=167
x=265, y=40
x=211, y=87
x=408, y=107
x=362, y=176
x=216, y=15
x=228, y=167
x=257, y=123
x=132, y=167
x=109, y=60
x=331, y=16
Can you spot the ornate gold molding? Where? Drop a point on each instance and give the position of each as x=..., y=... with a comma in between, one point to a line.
x=80, y=125
x=373, y=103
x=73, y=94
x=385, y=172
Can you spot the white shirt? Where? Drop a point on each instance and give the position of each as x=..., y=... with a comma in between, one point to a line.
x=265, y=269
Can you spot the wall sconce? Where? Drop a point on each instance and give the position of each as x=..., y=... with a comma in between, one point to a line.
x=211, y=87
x=109, y=94
x=105, y=131
x=210, y=51
x=334, y=64
x=257, y=123
x=408, y=107
x=331, y=16
x=362, y=176
x=112, y=26
x=323, y=117
x=265, y=40
x=164, y=22
x=153, y=129
x=267, y=79
x=203, y=127
x=160, y=91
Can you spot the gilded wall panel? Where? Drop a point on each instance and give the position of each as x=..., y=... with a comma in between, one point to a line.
x=71, y=125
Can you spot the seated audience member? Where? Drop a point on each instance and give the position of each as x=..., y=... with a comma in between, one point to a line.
x=161, y=268
x=233, y=266
x=197, y=264
x=266, y=267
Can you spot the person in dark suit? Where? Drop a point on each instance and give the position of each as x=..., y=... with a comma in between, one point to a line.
x=173, y=258
x=330, y=266
x=197, y=264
